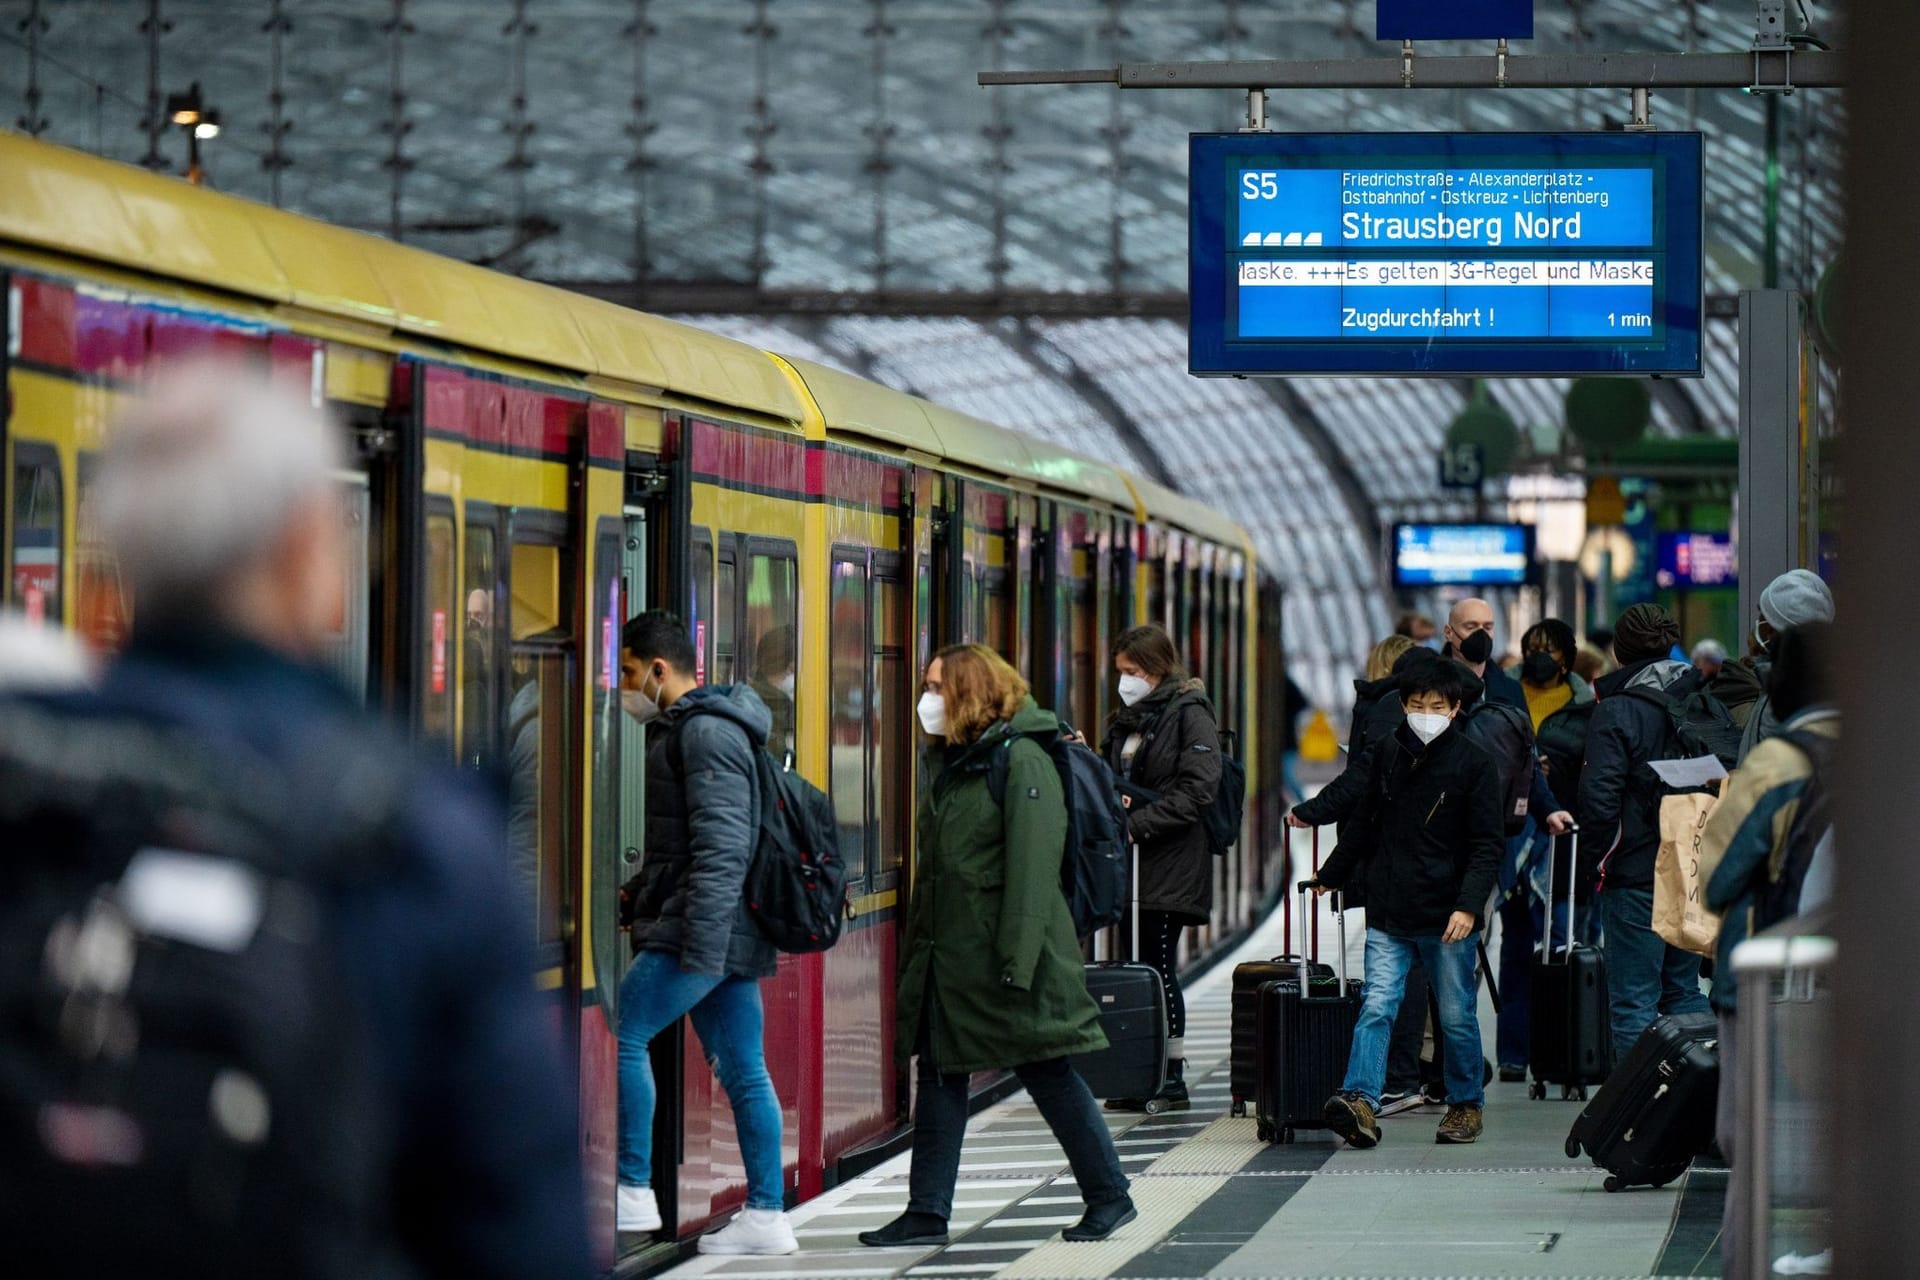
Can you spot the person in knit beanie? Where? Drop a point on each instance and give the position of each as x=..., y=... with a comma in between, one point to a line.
x=1793, y=599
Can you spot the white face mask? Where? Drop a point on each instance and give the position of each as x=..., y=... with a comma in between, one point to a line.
x=1427, y=725
x=933, y=714
x=1134, y=688
x=637, y=704
x=785, y=684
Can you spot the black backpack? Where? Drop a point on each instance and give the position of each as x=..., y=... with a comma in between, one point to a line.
x=1779, y=897
x=1698, y=724
x=1224, y=815
x=1505, y=733
x=184, y=1076
x=796, y=882
x=1093, y=872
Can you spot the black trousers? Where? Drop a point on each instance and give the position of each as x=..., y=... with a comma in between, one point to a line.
x=940, y=1124
x=1160, y=950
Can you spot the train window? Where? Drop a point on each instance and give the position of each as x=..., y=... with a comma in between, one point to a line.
x=769, y=635
x=440, y=626
x=891, y=718
x=848, y=771
x=539, y=733
x=608, y=869
x=101, y=611
x=700, y=607
x=997, y=613
x=539, y=758
x=726, y=614
x=479, y=649
x=38, y=529
x=1084, y=677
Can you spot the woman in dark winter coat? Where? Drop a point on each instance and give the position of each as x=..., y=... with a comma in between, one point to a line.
x=1165, y=747
x=991, y=975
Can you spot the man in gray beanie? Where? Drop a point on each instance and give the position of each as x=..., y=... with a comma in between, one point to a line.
x=1796, y=597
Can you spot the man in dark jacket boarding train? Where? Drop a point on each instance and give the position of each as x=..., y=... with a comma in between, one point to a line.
x=1426, y=857
x=698, y=951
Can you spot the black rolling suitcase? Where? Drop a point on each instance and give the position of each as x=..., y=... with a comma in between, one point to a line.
x=1133, y=1013
x=1570, y=1019
x=1304, y=1034
x=1657, y=1110
x=1248, y=978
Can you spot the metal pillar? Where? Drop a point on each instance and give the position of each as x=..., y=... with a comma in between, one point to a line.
x=1877, y=1180
x=1771, y=369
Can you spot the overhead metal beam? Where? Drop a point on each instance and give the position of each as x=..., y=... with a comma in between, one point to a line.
x=1764, y=70
x=726, y=297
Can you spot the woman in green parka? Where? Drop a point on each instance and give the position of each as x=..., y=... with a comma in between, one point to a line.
x=991, y=975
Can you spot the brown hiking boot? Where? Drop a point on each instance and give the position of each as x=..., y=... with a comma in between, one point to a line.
x=1351, y=1116
x=1462, y=1124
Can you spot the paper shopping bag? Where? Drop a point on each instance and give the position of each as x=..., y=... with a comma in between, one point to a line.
x=1680, y=912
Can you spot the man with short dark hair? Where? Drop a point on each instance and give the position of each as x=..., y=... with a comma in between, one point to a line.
x=1620, y=808
x=1427, y=860
x=698, y=951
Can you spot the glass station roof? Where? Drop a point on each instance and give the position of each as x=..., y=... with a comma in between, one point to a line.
x=828, y=146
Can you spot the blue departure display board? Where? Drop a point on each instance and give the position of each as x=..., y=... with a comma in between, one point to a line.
x=1441, y=253
x=1462, y=555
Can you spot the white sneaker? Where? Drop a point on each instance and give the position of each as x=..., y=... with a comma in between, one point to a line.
x=634, y=1209
x=760, y=1232
x=1809, y=1264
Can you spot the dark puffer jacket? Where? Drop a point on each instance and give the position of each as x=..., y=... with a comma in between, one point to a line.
x=702, y=825
x=1434, y=841
x=1179, y=763
x=1619, y=794
x=1377, y=712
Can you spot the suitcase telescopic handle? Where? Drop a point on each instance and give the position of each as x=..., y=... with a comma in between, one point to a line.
x=1340, y=917
x=1573, y=872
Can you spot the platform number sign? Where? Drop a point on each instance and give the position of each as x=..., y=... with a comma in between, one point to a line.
x=1462, y=466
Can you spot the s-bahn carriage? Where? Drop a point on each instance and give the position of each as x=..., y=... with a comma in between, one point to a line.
x=531, y=467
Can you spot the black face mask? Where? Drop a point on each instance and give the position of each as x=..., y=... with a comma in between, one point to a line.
x=1478, y=647
x=1540, y=669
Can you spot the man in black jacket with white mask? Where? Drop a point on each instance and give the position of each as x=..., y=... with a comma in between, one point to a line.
x=1427, y=859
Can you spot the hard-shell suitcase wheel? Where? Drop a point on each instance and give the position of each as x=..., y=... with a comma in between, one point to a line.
x=1239, y=1108
x=1573, y=1148
x=1536, y=1091
x=1264, y=1131
x=1612, y=1183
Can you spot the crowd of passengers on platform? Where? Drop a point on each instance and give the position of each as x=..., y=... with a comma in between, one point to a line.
x=213, y=785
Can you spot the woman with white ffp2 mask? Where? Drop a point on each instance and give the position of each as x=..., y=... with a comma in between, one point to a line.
x=1165, y=746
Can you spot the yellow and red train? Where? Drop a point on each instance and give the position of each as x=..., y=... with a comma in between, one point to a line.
x=531, y=467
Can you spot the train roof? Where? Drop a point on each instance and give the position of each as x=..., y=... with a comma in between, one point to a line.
x=857, y=407
x=81, y=205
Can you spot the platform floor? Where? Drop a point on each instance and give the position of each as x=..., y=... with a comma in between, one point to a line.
x=1215, y=1201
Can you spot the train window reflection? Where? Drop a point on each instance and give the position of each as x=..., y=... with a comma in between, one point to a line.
x=438, y=630
x=37, y=533
x=479, y=705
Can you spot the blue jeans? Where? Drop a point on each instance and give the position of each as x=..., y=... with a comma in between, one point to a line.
x=1450, y=969
x=726, y=1016
x=1645, y=976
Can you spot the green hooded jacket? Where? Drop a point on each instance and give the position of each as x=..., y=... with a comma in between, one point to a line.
x=990, y=960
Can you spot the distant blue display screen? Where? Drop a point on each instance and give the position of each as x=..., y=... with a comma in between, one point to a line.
x=1474, y=555
x=1697, y=560
x=1445, y=253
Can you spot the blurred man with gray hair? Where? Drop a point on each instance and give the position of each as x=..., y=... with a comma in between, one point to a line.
x=311, y=1044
